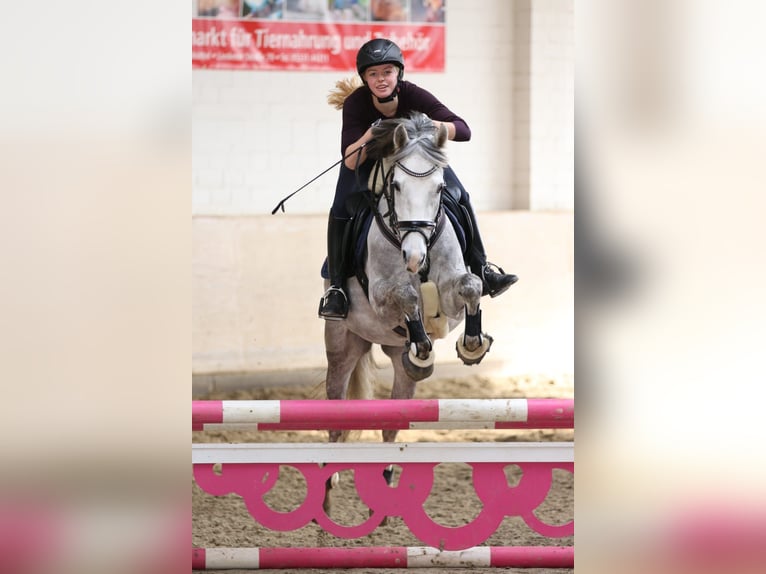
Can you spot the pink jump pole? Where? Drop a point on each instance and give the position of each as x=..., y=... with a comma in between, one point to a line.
x=383, y=557
x=385, y=414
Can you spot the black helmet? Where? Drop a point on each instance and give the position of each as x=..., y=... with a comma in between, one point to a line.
x=379, y=51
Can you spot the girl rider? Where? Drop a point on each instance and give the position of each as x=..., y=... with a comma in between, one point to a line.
x=386, y=95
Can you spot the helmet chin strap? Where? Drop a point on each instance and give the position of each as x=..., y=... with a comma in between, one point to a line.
x=389, y=98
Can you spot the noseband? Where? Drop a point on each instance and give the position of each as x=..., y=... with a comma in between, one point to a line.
x=430, y=229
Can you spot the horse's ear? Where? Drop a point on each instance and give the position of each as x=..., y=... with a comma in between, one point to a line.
x=442, y=135
x=400, y=136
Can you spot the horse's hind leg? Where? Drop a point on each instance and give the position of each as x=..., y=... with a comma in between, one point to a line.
x=343, y=349
x=403, y=387
x=344, y=352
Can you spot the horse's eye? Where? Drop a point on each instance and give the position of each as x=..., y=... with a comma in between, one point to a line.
x=395, y=186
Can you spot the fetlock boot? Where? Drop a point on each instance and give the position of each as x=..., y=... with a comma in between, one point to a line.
x=334, y=303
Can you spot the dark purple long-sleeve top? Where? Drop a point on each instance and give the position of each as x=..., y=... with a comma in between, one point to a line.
x=359, y=112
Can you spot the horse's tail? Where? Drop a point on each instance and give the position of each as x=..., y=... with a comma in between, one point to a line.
x=343, y=89
x=361, y=385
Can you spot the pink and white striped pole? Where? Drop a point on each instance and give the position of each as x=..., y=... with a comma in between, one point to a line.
x=383, y=557
x=384, y=414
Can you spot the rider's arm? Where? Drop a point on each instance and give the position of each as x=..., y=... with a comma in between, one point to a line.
x=356, y=129
x=354, y=159
x=424, y=101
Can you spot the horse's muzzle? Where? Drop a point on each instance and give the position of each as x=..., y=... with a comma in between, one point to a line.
x=414, y=245
x=413, y=262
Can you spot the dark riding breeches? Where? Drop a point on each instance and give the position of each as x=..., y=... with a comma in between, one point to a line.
x=457, y=200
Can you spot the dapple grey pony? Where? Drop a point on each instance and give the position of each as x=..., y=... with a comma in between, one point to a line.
x=418, y=284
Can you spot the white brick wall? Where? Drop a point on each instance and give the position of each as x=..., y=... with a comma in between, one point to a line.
x=258, y=136
x=521, y=102
x=551, y=151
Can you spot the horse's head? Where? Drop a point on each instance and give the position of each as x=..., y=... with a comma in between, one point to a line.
x=413, y=162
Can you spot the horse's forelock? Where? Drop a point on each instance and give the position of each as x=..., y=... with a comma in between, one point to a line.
x=421, y=138
x=424, y=145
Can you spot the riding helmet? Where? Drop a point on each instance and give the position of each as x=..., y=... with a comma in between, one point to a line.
x=379, y=51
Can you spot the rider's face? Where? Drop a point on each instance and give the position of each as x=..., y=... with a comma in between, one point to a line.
x=382, y=79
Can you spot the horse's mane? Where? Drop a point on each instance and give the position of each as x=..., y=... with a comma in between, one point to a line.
x=420, y=133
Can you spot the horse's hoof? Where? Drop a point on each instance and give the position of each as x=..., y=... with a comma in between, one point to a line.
x=473, y=357
x=329, y=484
x=417, y=369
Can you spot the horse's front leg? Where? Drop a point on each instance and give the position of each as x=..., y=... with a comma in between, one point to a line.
x=417, y=357
x=465, y=291
x=397, y=301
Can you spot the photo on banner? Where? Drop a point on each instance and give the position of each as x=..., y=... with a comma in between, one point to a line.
x=313, y=35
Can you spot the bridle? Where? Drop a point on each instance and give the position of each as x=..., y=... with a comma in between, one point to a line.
x=396, y=230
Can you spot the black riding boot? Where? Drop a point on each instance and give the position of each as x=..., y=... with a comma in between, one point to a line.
x=495, y=282
x=334, y=303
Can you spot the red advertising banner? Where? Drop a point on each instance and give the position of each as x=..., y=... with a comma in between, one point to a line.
x=234, y=42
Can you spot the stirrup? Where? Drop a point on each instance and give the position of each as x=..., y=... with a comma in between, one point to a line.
x=340, y=310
